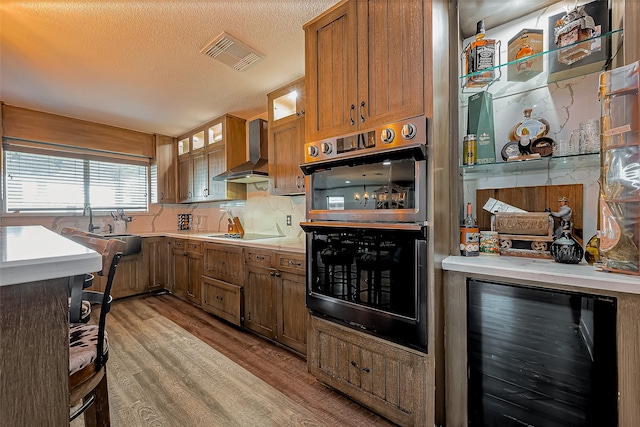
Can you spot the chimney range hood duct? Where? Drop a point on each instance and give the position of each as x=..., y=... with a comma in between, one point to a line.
x=256, y=169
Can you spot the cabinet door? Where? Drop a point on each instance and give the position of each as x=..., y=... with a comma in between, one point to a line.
x=128, y=278
x=330, y=68
x=185, y=178
x=200, y=176
x=292, y=312
x=390, y=62
x=286, y=103
x=286, y=152
x=385, y=377
x=223, y=262
x=154, y=254
x=216, y=165
x=180, y=268
x=166, y=155
x=260, y=294
x=222, y=299
x=194, y=284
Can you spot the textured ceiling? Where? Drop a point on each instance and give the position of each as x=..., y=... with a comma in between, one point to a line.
x=137, y=64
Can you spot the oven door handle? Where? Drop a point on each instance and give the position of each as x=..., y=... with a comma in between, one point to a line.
x=309, y=226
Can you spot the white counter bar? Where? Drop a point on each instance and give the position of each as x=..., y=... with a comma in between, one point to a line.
x=33, y=253
x=544, y=271
x=37, y=269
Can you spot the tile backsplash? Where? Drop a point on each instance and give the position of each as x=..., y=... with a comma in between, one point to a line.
x=260, y=213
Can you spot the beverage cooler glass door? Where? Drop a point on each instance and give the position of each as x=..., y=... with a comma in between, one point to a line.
x=371, y=278
x=387, y=187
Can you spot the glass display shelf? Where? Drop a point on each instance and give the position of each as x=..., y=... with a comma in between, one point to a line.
x=501, y=87
x=555, y=163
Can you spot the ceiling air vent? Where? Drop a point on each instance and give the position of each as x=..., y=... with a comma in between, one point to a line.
x=232, y=52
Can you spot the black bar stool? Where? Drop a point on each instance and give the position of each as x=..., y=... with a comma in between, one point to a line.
x=337, y=271
x=377, y=267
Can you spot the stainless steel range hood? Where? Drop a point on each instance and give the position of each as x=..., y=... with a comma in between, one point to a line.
x=256, y=169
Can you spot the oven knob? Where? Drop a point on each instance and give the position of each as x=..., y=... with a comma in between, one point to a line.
x=387, y=135
x=409, y=131
x=312, y=150
x=326, y=148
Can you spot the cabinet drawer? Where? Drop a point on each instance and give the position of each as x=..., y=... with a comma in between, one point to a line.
x=194, y=246
x=293, y=262
x=224, y=262
x=259, y=257
x=179, y=244
x=383, y=376
x=222, y=299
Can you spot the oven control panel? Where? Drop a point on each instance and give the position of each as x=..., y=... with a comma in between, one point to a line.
x=404, y=133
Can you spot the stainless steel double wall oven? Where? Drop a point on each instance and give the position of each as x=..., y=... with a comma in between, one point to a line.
x=367, y=230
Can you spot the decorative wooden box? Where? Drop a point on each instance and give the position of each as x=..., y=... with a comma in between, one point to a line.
x=526, y=234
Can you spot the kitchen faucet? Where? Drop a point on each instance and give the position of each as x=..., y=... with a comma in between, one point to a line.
x=91, y=226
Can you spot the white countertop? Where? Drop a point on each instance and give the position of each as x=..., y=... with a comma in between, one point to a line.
x=289, y=244
x=544, y=271
x=33, y=253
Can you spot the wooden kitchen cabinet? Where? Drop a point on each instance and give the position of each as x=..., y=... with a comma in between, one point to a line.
x=155, y=255
x=275, y=297
x=165, y=163
x=195, y=261
x=185, y=179
x=186, y=269
x=222, y=292
x=387, y=378
x=179, y=268
x=128, y=280
x=358, y=78
x=213, y=148
x=286, y=138
x=291, y=292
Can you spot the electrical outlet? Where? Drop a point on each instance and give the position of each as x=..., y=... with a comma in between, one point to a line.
x=288, y=219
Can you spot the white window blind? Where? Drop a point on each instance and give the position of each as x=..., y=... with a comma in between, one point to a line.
x=48, y=183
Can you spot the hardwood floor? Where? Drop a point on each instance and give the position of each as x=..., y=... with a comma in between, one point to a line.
x=172, y=364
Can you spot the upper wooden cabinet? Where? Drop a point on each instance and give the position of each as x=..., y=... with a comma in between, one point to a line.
x=166, y=169
x=286, y=138
x=364, y=63
x=208, y=151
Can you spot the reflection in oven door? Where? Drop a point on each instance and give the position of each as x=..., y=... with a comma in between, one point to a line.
x=371, y=278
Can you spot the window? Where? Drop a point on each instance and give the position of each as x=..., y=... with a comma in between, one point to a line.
x=51, y=183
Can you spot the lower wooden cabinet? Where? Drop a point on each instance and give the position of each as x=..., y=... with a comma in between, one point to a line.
x=222, y=299
x=155, y=255
x=275, y=297
x=222, y=292
x=186, y=269
x=129, y=277
x=389, y=379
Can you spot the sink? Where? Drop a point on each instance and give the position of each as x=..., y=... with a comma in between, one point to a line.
x=133, y=242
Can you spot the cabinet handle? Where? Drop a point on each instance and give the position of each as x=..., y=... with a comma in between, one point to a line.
x=278, y=274
x=162, y=195
x=362, y=111
x=353, y=107
x=355, y=365
x=301, y=113
x=205, y=192
x=272, y=273
x=189, y=195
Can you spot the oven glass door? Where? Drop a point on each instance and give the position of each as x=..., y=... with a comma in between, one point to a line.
x=380, y=269
x=372, y=188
